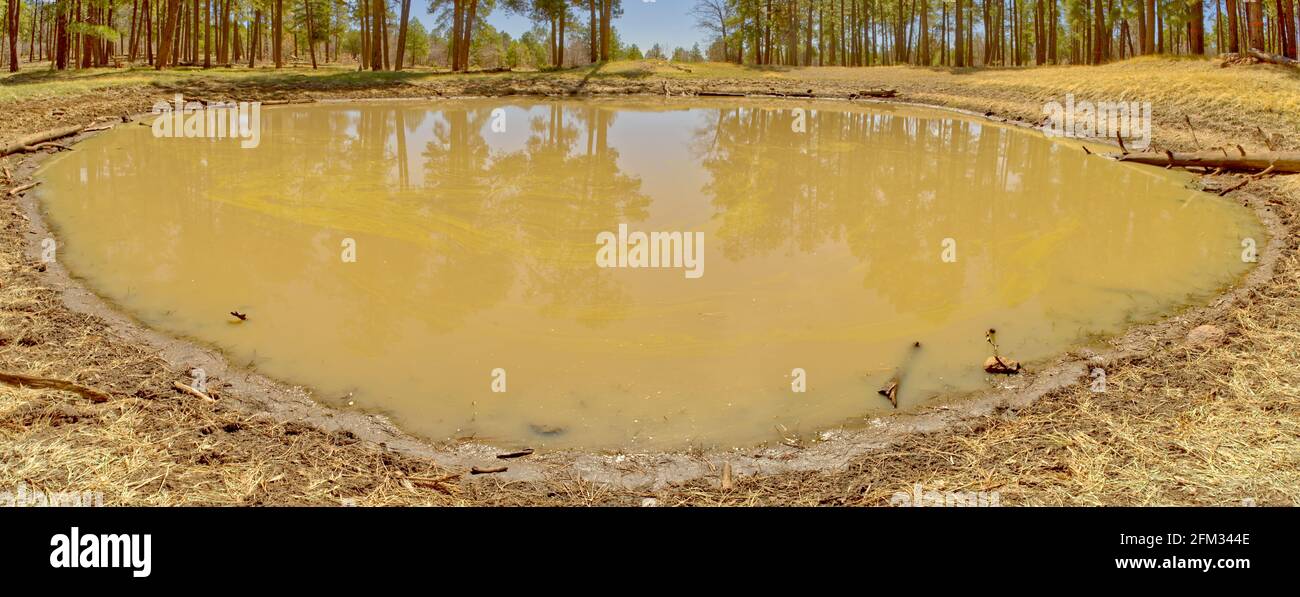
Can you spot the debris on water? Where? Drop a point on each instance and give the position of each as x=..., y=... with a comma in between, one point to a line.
x=487, y=470
x=997, y=364
x=546, y=429
x=890, y=391
x=516, y=454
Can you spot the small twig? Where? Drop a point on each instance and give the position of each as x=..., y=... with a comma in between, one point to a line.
x=1267, y=141
x=517, y=454
x=191, y=391
x=40, y=146
x=1234, y=187
x=1191, y=128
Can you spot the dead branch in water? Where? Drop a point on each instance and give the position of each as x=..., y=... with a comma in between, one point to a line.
x=890, y=389
x=22, y=142
x=1274, y=161
x=50, y=383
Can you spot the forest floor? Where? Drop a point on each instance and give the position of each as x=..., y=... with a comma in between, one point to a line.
x=1184, y=421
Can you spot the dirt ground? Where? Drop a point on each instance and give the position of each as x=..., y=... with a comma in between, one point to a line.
x=1212, y=421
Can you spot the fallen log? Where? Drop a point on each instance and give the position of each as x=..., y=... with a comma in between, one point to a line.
x=1273, y=58
x=40, y=137
x=1279, y=161
x=876, y=93
x=50, y=383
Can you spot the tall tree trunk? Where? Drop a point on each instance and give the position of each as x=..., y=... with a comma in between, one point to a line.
x=15, y=9
x=401, y=34
x=169, y=31
x=1255, y=20
x=376, y=35
x=277, y=34
x=1099, y=33
x=467, y=32
x=311, y=45
x=1197, y=23
x=255, y=38
x=606, y=30
x=959, y=55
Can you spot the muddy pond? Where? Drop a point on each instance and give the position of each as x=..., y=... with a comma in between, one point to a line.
x=476, y=268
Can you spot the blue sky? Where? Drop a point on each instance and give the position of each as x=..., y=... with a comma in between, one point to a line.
x=666, y=22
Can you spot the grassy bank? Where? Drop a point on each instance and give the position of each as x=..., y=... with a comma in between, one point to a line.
x=1182, y=422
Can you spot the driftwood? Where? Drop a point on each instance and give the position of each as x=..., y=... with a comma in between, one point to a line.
x=49, y=383
x=41, y=137
x=191, y=391
x=726, y=484
x=1273, y=161
x=40, y=146
x=517, y=454
x=16, y=190
x=876, y=93
x=890, y=389
x=997, y=364
x=487, y=470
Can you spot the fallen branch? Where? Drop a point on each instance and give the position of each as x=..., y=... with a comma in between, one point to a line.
x=876, y=93
x=50, y=383
x=16, y=190
x=1279, y=161
x=1234, y=187
x=191, y=391
x=487, y=470
x=40, y=137
x=40, y=146
x=890, y=389
x=518, y=454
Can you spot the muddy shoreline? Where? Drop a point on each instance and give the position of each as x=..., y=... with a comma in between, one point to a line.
x=255, y=393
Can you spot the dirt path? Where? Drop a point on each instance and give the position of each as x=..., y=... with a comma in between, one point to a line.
x=1215, y=422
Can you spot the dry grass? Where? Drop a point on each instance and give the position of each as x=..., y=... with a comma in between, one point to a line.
x=1178, y=425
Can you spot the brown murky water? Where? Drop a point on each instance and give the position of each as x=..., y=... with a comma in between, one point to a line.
x=476, y=251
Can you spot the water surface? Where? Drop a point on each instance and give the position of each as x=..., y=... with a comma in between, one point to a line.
x=475, y=251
